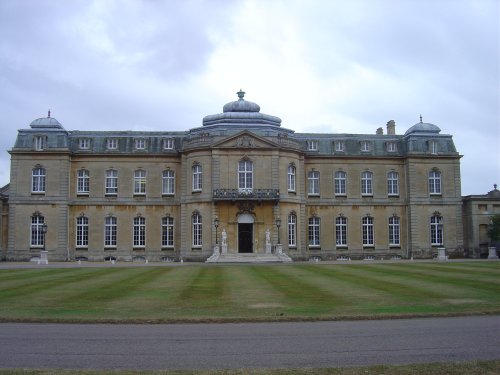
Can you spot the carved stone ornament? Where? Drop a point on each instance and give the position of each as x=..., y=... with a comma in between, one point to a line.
x=245, y=141
x=245, y=208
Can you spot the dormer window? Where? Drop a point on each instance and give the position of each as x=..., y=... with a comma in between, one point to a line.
x=312, y=145
x=168, y=144
x=391, y=147
x=433, y=147
x=339, y=146
x=84, y=143
x=40, y=142
x=140, y=144
x=112, y=144
x=365, y=146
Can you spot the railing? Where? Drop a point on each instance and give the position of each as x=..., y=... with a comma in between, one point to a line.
x=246, y=194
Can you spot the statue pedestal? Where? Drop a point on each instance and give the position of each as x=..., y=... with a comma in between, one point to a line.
x=224, y=249
x=442, y=254
x=268, y=248
x=279, y=249
x=492, y=253
x=43, y=257
x=216, y=250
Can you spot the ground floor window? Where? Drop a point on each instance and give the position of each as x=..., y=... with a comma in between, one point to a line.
x=367, y=224
x=82, y=231
x=139, y=231
x=314, y=231
x=341, y=231
x=197, y=230
x=167, y=232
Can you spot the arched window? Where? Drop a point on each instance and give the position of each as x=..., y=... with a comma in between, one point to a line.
x=341, y=231
x=292, y=230
x=37, y=237
x=167, y=232
x=139, y=230
x=367, y=226
x=340, y=182
x=394, y=231
x=392, y=183
x=168, y=182
x=197, y=230
x=82, y=231
x=367, y=183
x=314, y=231
x=38, y=180
x=313, y=182
x=83, y=182
x=434, y=182
x=140, y=182
x=110, y=230
x=291, y=177
x=197, y=177
x=111, y=184
x=436, y=230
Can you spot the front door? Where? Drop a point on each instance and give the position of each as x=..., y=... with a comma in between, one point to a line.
x=245, y=238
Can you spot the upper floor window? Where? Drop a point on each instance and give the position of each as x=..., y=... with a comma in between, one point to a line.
x=168, y=182
x=367, y=226
x=314, y=231
x=167, y=232
x=139, y=230
x=391, y=147
x=111, y=182
x=112, y=143
x=340, y=182
x=392, y=183
x=37, y=234
x=434, y=182
x=84, y=143
x=367, y=183
x=140, y=182
x=38, y=180
x=140, y=143
x=433, y=147
x=341, y=231
x=312, y=145
x=40, y=142
x=197, y=230
x=82, y=231
x=365, y=146
x=245, y=175
x=110, y=231
x=197, y=177
x=436, y=230
x=83, y=181
x=168, y=143
x=291, y=177
x=313, y=182
x=292, y=230
x=394, y=232
x=339, y=146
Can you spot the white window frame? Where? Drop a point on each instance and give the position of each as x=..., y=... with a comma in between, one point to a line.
x=82, y=182
x=367, y=183
x=140, y=143
x=436, y=230
x=197, y=177
x=339, y=146
x=110, y=232
x=292, y=230
x=140, y=182
x=312, y=145
x=112, y=143
x=168, y=182
x=340, y=182
x=367, y=230
x=391, y=147
x=314, y=232
x=341, y=231
x=40, y=142
x=167, y=232
x=38, y=180
x=84, y=143
x=197, y=230
x=37, y=237
x=435, y=182
x=394, y=231
x=111, y=182
x=313, y=181
x=392, y=183
x=433, y=147
x=139, y=232
x=168, y=143
x=291, y=178
x=82, y=232
x=365, y=146
x=245, y=176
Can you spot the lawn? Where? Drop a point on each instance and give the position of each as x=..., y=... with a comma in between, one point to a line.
x=201, y=293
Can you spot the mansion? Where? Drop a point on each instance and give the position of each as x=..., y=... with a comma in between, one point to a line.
x=169, y=195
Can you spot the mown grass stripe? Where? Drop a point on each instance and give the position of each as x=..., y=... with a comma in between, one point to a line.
x=208, y=287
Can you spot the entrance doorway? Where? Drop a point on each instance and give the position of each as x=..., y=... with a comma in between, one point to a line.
x=245, y=238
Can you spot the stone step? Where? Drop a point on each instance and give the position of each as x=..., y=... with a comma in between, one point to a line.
x=250, y=258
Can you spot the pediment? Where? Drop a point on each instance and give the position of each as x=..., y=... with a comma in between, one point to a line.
x=245, y=139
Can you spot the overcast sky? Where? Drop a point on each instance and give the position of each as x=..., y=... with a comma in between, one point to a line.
x=345, y=66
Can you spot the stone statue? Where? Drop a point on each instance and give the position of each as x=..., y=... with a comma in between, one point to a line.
x=268, y=237
x=224, y=237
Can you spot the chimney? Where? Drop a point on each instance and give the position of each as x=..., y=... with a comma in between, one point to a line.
x=391, y=127
x=380, y=131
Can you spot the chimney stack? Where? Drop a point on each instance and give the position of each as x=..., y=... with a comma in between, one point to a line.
x=391, y=127
x=380, y=131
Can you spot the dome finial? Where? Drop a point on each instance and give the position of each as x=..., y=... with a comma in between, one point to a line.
x=48, y=115
x=420, y=118
x=241, y=94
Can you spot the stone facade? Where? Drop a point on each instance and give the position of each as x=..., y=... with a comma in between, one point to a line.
x=155, y=195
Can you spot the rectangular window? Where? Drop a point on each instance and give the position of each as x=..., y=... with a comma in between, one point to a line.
x=168, y=144
x=314, y=231
x=433, y=147
x=168, y=182
x=37, y=236
x=140, y=182
x=111, y=187
x=367, y=224
x=139, y=230
x=82, y=231
x=392, y=183
x=436, y=230
x=313, y=182
x=292, y=231
x=40, y=142
x=83, y=182
x=340, y=183
x=391, y=147
x=367, y=183
x=394, y=231
x=339, y=146
x=197, y=231
x=312, y=145
x=197, y=177
x=341, y=231
x=245, y=176
x=167, y=232
x=365, y=146
x=38, y=180
x=84, y=143
x=140, y=144
x=291, y=178
x=110, y=229
x=434, y=182
x=112, y=143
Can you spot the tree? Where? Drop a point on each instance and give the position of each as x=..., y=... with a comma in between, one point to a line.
x=494, y=229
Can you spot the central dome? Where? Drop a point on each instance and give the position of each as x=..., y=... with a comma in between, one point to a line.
x=241, y=105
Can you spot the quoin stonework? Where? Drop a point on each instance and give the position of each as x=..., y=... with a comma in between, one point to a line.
x=133, y=195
